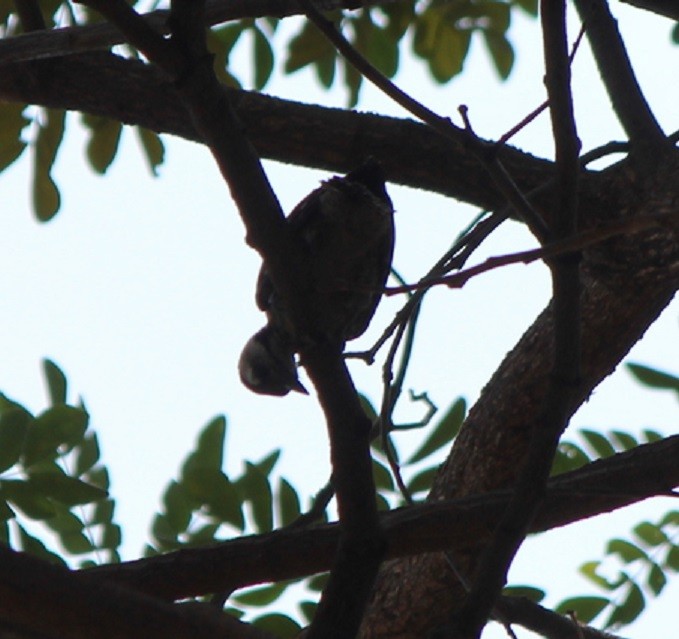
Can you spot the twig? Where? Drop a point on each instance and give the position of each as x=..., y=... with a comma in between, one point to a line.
x=578, y=242
x=486, y=154
x=630, y=105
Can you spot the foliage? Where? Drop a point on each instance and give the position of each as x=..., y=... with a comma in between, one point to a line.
x=440, y=31
x=54, y=484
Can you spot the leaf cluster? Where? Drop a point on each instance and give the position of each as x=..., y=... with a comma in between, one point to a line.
x=50, y=472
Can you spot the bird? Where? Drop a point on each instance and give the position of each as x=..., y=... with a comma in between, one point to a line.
x=345, y=228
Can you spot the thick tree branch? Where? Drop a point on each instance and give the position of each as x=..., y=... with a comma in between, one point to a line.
x=600, y=487
x=667, y=8
x=646, y=137
x=564, y=380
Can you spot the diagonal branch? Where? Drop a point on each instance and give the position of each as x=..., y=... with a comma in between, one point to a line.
x=635, y=115
x=599, y=487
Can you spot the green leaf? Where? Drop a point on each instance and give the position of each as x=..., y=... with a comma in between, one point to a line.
x=654, y=378
x=308, y=47
x=598, y=442
x=585, y=608
x=672, y=559
x=367, y=407
x=56, y=382
x=76, y=543
x=263, y=58
x=382, y=477
x=629, y=609
x=163, y=532
x=57, y=428
x=154, y=149
x=651, y=534
x=255, y=487
x=528, y=592
x=568, y=457
x=209, y=452
x=262, y=596
x=422, y=481
x=99, y=477
x=624, y=440
x=317, y=583
x=308, y=609
x=177, y=507
x=6, y=513
x=87, y=454
x=670, y=518
x=46, y=199
x=675, y=33
x=203, y=535
x=589, y=570
x=213, y=488
x=32, y=545
x=65, y=522
x=625, y=550
x=104, y=140
x=27, y=498
x=277, y=624
x=651, y=435
x=289, y=507
x=112, y=537
x=66, y=490
x=103, y=512
x=443, y=432
x=268, y=463
x=656, y=579
x=12, y=124
x=14, y=424
x=529, y=6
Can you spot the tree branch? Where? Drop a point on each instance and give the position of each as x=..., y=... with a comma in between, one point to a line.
x=667, y=8
x=646, y=137
x=602, y=486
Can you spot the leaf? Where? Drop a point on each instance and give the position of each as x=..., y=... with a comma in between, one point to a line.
x=317, y=583
x=46, y=199
x=103, y=512
x=277, y=624
x=87, y=454
x=627, y=551
x=624, y=440
x=308, y=609
x=568, y=457
x=289, y=507
x=255, y=487
x=308, y=47
x=263, y=58
x=163, y=532
x=443, y=432
x=154, y=149
x=65, y=522
x=598, y=442
x=589, y=570
x=650, y=534
x=654, y=378
x=213, y=488
x=585, y=608
x=422, y=481
x=56, y=382
x=58, y=427
x=367, y=407
x=177, y=507
x=66, y=490
x=14, y=424
x=27, y=498
x=528, y=592
x=382, y=477
x=35, y=547
x=629, y=609
x=76, y=543
x=12, y=124
x=209, y=451
x=267, y=464
x=262, y=596
x=672, y=559
x=529, y=6
x=656, y=579
x=99, y=477
x=104, y=140
x=112, y=537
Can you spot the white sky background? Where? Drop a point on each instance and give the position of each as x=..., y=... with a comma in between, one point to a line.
x=141, y=289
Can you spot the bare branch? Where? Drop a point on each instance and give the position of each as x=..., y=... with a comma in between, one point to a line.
x=646, y=137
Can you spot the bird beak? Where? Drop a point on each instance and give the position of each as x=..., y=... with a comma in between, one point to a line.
x=299, y=388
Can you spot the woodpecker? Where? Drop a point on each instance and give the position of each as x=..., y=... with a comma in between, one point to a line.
x=346, y=230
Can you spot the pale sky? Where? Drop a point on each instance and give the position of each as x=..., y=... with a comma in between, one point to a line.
x=141, y=289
